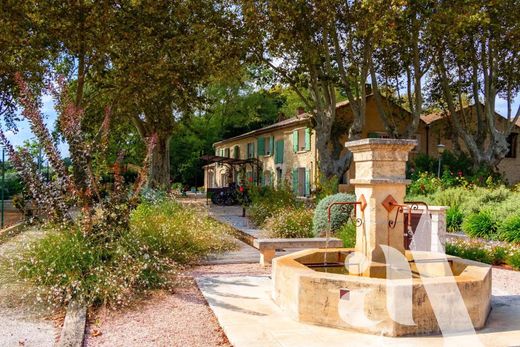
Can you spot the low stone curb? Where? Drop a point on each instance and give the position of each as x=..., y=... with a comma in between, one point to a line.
x=73, y=331
x=237, y=233
x=6, y=233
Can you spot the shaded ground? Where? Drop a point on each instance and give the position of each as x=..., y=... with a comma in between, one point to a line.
x=22, y=321
x=182, y=318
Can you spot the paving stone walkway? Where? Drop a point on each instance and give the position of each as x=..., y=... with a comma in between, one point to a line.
x=232, y=215
x=250, y=318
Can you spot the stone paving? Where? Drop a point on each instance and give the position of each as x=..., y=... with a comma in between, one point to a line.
x=250, y=318
x=232, y=215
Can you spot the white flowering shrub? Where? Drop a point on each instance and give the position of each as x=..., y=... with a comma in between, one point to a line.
x=162, y=238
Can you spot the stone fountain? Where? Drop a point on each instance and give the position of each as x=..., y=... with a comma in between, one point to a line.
x=379, y=287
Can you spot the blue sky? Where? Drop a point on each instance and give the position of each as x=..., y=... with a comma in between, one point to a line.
x=24, y=132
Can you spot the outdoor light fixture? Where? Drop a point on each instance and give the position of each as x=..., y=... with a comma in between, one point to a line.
x=440, y=148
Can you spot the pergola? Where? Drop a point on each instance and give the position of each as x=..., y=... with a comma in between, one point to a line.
x=235, y=164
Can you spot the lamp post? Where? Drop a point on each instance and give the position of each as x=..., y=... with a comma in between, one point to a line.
x=440, y=149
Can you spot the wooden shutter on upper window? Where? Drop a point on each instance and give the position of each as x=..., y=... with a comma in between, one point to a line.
x=260, y=146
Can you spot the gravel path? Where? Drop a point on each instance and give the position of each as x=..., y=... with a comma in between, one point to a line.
x=506, y=282
x=182, y=318
x=21, y=322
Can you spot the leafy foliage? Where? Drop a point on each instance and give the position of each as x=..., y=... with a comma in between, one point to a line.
x=266, y=201
x=454, y=219
x=347, y=233
x=509, y=229
x=488, y=252
x=290, y=223
x=339, y=214
x=480, y=224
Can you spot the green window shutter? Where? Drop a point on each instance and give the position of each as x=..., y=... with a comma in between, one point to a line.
x=295, y=181
x=227, y=152
x=260, y=146
x=271, y=145
x=279, y=152
x=307, y=182
x=295, y=140
x=307, y=139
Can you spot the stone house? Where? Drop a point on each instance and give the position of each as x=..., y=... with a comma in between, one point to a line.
x=285, y=152
x=440, y=129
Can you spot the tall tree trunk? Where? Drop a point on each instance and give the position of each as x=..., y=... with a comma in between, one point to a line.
x=160, y=163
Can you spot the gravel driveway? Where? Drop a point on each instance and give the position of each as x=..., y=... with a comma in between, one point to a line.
x=21, y=322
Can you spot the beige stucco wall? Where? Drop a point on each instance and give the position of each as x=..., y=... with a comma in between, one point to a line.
x=291, y=160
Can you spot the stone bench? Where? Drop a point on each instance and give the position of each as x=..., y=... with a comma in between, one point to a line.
x=268, y=247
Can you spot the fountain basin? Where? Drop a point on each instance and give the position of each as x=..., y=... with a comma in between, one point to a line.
x=311, y=293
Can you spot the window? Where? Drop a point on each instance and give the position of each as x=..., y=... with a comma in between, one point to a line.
x=226, y=153
x=236, y=152
x=265, y=145
x=268, y=145
x=302, y=140
x=512, y=140
x=250, y=150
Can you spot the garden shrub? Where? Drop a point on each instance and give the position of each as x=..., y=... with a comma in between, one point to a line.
x=499, y=255
x=454, y=219
x=452, y=197
x=266, y=201
x=480, y=224
x=514, y=260
x=153, y=196
x=489, y=252
x=509, y=229
x=94, y=268
x=327, y=187
x=347, y=233
x=507, y=207
x=425, y=183
x=469, y=250
x=290, y=223
x=339, y=214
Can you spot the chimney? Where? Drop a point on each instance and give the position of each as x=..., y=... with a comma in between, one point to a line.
x=300, y=110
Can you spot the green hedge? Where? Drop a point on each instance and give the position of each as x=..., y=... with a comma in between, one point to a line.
x=339, y=214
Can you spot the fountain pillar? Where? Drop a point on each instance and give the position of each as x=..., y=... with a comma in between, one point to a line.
x=380, y=168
